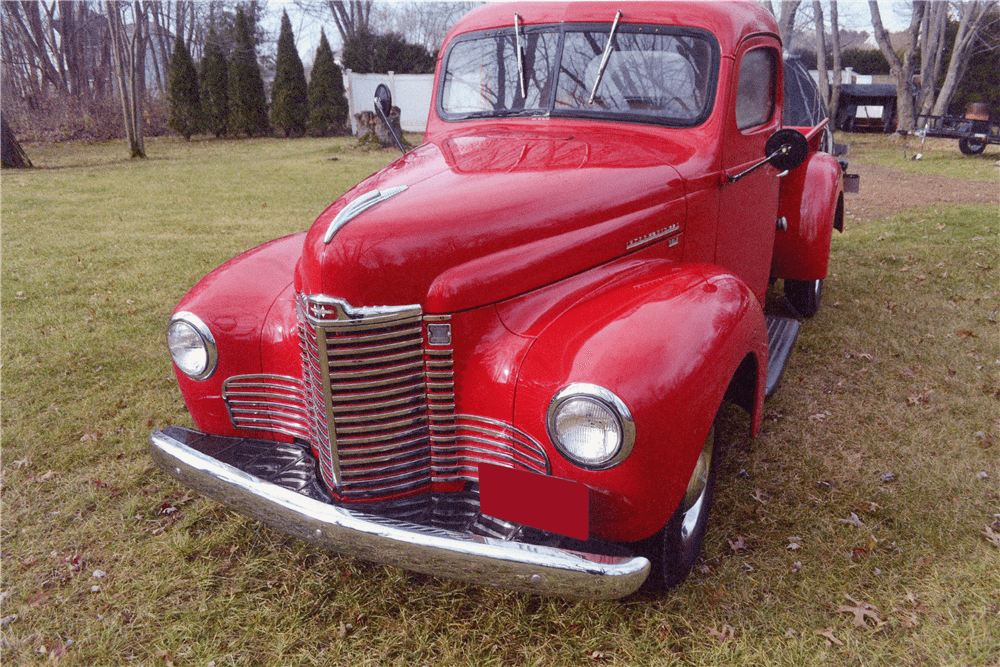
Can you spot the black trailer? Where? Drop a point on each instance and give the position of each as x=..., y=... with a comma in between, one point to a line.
x=972, y=133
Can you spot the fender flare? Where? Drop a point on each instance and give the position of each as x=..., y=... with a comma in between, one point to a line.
x=668, y=344
x=236, y=301
x=812, y=204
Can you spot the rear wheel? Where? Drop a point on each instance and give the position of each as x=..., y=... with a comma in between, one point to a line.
x=971, y=146
x=675, y=549
x=803, y=296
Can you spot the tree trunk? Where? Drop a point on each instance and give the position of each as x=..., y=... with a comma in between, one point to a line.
x=972, y=14
x=124, y=59
x=931, y=51
x=786, y=22
x=12, y=156
x=902, y=70
x=821, y=68
x=837, y=62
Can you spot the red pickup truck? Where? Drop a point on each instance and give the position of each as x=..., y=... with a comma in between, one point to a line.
x=501, y=358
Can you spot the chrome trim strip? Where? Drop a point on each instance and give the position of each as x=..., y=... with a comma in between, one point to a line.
x=446, y=553
x=653, y=236
x=357, y=207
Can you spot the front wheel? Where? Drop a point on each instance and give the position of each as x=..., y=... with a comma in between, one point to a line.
x=971, y=146
x=675, y=549
x=803, y=296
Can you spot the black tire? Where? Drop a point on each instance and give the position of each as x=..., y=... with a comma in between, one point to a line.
x=674, y=550
x=971, y=146
x=803, y=296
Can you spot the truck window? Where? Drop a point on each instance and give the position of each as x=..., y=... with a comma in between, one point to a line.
x=755, y=95
x=654, y=74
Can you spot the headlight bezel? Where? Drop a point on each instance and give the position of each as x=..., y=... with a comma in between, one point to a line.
x=204, y=334
x=605, y=399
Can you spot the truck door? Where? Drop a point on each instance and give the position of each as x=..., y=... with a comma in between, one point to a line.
x=748, y=208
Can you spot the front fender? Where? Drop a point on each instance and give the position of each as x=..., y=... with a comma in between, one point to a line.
x=812, y=205
x=667, y=343
x=236, y=302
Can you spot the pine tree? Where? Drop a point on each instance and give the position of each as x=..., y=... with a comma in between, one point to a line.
x=247, y=103
x=214, y=87
x=289, y=110
x=185, y=104
x=327, y=104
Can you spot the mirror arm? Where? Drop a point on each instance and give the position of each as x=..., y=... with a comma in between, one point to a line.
x=732, y=178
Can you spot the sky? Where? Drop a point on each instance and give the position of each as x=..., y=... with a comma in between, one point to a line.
x=854, y=15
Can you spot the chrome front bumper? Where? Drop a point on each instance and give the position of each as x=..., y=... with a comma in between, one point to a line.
x=446, y=553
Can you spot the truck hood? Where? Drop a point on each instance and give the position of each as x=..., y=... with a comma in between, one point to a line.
x=486, y=216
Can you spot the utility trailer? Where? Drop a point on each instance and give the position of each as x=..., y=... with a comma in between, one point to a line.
x=973, y=133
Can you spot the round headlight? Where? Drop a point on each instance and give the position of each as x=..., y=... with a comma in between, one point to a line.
x=191, y=346
x=591, y=426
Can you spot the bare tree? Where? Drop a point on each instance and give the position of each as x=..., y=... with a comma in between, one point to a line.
x=422, y=23
x=931, y=53
x=821, y=68
x=971, y=15
x=786, y=19
x=902, y=69
x=55, y=47
x=351, y=17
x=127, y=53
x=837, y=61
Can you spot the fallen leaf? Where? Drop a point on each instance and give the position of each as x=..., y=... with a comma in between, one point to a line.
x=739, y=545
x=862, y=611
x=992, y=536
x=830, y=638
x=728, y=632
x=854, y=520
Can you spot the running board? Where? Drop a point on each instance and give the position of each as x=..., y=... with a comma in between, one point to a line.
x=781, y=335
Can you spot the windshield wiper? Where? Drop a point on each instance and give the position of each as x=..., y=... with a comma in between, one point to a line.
x=605, y=57
x=520, y=56
x=504, y=113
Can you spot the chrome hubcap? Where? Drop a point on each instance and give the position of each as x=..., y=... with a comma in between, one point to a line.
x=694, y=497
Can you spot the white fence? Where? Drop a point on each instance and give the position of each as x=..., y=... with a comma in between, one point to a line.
x=410, y=92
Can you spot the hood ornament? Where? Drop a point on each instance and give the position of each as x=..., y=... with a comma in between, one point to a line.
x=359, y=206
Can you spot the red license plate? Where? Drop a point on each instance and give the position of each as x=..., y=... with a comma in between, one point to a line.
x=540, y=501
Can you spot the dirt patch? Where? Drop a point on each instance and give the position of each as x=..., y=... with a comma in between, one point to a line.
x=886, y=191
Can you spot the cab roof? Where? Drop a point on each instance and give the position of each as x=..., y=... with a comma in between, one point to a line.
x=730, y=22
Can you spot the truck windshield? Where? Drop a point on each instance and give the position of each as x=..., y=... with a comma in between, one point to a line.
x=654, y=74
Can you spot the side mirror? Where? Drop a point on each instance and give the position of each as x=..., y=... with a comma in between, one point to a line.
x=383, y=100
x=786, y=149
x=383, y=106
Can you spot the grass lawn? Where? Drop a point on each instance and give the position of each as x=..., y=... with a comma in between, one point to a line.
x=862, y=527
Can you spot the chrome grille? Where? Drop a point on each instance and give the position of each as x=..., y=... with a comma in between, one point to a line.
x=460, y=443
x=377, y=403
x=365, y=388
x=267, y=403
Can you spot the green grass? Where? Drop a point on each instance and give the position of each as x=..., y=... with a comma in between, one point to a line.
x=940, y=157
x=871, y=457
